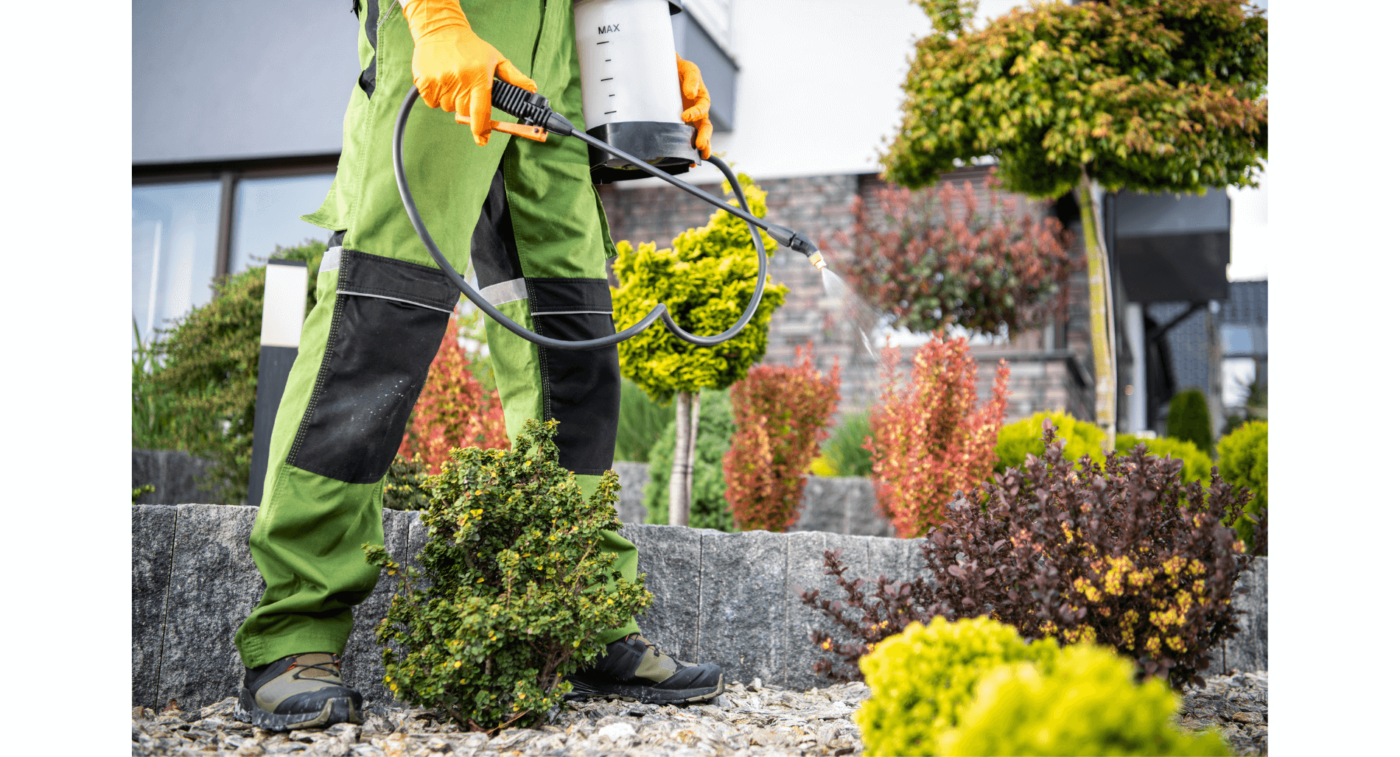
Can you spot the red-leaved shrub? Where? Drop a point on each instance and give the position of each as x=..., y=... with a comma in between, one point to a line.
x=780, y=417
x=454, y=410
x=928, y=439
x=931, y=258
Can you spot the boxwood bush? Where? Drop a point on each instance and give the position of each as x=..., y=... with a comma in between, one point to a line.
x=1244, y=461
x=513, y=593
x=1085, y=703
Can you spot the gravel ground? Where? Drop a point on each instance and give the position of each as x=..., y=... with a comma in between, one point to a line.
x=750, y=720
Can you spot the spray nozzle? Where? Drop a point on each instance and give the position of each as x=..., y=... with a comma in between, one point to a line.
x=804, y=245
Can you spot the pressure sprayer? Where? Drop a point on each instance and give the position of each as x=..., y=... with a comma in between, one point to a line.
x=631, y=108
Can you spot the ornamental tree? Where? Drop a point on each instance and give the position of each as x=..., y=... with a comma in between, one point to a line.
x=931, y=260
x=1161, y=96
x=706, y=279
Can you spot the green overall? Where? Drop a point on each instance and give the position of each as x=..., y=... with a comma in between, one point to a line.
x=526, y=216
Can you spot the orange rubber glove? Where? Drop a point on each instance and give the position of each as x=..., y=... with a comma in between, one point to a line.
x=452, y=67
x=697, y=104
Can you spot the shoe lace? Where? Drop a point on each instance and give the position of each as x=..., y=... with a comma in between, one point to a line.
x=334, y=668
x=643, y=639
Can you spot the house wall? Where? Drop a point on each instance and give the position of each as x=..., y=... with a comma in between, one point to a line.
x=820, y=206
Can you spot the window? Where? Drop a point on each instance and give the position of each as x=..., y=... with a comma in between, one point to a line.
x=192, y=224
x=266, y=215
x=174, y=242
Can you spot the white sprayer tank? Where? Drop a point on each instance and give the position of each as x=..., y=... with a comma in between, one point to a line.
x=631, y=92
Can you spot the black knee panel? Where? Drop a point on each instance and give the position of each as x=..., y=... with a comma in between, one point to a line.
x=582, y=388
x=388, y=323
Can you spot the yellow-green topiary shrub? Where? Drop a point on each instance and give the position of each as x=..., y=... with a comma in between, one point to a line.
x=1016, y=440
x=1086, y=704
x=923, y=679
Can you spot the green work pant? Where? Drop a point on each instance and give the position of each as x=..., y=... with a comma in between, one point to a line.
x=527, y=218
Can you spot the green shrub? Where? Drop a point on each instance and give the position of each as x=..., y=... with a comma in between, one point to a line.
x=923, y=680
x=845, y=451
x=513, y=593
x=1244, y=461
x=1016, y=440
x=1087, y=704
x=1197, y=463
x=640, y=422
x=209, y=371
x=708, y=506
x=1188, y=419
x=150, y=408
x=404, y=483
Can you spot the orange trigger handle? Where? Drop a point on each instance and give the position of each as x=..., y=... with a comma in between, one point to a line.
x=536, y=133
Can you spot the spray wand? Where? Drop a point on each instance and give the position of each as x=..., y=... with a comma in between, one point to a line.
x=537, y=120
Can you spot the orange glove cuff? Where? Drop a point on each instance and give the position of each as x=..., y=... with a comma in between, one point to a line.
x=696, y=99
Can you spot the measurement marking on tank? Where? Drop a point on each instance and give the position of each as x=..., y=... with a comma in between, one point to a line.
x=608, y=112
x=604, y=42
x=607, y=79
x=612, y=95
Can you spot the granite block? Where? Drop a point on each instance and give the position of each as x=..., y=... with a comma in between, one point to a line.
x=363, y=664
x=178, y=477
x=742, y=608
x=855, y=555
x=669, y=558
x=632, y=478
x=1249, y=649
x=823, y=506
x=863, y=516
x=152, y=547
x=804, y=571
x=213, y=586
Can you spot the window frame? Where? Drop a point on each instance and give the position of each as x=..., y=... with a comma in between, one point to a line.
x=229, y=173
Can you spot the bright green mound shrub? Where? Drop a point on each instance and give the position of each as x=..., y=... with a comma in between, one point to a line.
x=708, y=506
x=513, y=593
x=1016, y=440
x=1244, y=461
x=1196, y=466
x=1087, y=705
x=1188, y=419
x=845, y=451
x=922, y=680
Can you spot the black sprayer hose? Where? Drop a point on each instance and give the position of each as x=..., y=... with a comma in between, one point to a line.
x=659, y=311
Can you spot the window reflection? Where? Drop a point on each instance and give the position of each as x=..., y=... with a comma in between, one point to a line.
x=266, y=216
x=174, y=231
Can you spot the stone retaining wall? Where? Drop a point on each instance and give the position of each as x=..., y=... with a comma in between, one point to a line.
x=725, y=598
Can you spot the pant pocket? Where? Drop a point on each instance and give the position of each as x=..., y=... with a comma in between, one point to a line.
x=387, y=325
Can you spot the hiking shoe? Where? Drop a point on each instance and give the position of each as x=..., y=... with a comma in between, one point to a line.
x=633, y=669
x=298, y=691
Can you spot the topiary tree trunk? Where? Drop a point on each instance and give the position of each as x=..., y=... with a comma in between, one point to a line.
x=1100, y=313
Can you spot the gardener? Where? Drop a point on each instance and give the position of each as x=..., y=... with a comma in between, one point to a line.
x=538, y=249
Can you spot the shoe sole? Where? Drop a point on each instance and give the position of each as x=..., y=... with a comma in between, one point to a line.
x=337, y=710
x=645, y=694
